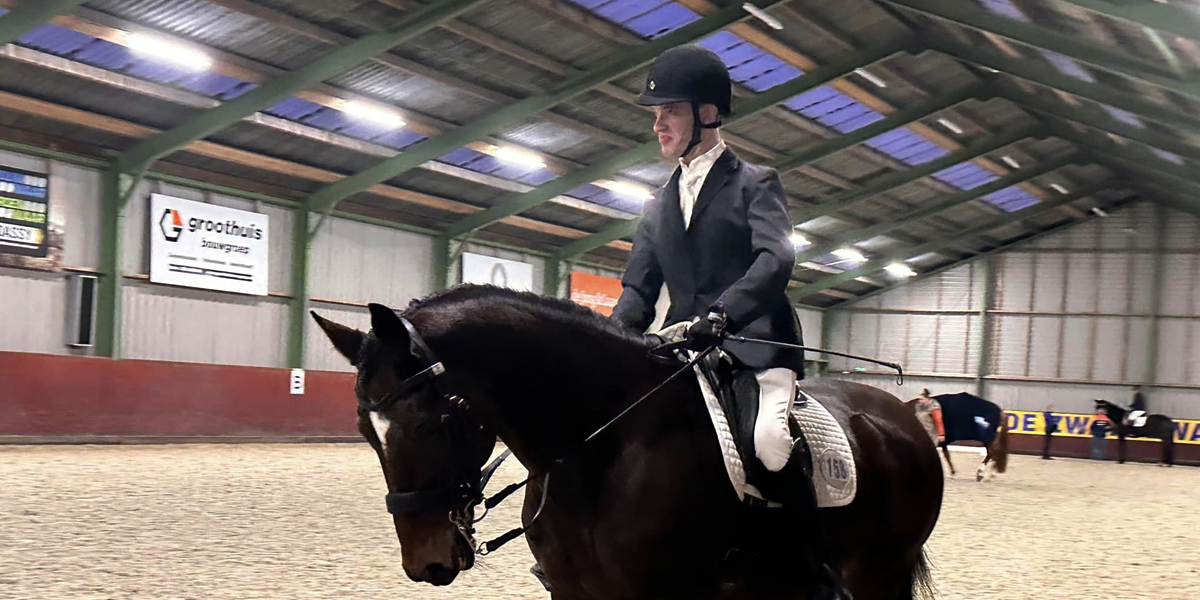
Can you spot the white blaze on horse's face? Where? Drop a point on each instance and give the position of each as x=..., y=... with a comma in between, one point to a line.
x=381, y=425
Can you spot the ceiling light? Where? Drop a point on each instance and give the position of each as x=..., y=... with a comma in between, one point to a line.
x=523, y=158
x=762, y=15
x=873, y=78
x=1099, y=212
x=798, y=241
x=1058, y=188
x=373, y=113
x=1010, y=161
x=900, y=270
x=849, y=254
x=951, y=125
x=628, y=189
x=164, y=50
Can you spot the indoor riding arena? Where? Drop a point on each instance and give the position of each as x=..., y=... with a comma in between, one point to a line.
x=206, y=205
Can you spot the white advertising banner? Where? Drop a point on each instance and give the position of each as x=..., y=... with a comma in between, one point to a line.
x=487, y=270
x=205, y=246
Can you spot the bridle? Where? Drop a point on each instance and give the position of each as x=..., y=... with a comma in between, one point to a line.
x=465, y=492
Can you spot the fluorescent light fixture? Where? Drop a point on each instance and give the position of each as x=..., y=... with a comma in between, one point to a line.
x=899, y=270
x=1099, y=212
x=873, y=78
x=1058, y=188
x=164, y=50
x=849, y=254
x=522, y=158
x=628, y=189
x=373, y=113
x=798, y=240
x=951, y=125
x=1010, y=161
x=762, y=15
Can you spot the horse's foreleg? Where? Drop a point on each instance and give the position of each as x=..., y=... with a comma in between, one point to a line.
x=946, y=453
x=983, y=465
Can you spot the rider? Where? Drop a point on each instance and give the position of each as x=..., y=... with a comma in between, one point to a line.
x=1137, y=408
x=718, y=235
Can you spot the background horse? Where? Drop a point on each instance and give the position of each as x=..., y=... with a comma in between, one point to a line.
x=969, y=417
x=1158, y=427
x=646, y=510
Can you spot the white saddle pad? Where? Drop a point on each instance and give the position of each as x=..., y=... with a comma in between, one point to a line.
x=835, y=477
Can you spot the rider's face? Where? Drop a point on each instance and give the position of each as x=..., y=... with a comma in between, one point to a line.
x=673, y=125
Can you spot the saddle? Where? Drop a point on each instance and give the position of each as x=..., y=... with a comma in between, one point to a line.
x=737, y=391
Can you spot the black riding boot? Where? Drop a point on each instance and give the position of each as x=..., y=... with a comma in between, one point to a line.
x=799, y=499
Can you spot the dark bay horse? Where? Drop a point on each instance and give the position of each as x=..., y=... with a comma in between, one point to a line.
x=1158, y=427
x=970, y=418
x=646, y=509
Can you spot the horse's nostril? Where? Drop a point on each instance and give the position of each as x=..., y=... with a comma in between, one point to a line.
x=440, y=574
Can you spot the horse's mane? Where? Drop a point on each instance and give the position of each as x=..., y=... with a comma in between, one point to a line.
x=551, y=309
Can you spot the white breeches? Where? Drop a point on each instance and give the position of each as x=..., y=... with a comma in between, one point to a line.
x=772, y=438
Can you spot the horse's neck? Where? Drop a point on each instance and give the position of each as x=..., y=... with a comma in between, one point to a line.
x=543, y=386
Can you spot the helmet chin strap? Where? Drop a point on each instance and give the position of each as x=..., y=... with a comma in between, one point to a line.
x=697, y=126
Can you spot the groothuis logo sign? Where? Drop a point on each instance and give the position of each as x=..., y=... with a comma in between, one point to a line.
x=201, y=245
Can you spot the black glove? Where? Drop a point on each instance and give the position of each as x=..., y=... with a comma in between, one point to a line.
x=707, y=332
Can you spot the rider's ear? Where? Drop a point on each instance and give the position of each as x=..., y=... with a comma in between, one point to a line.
x=346, y=340
x=387, y=327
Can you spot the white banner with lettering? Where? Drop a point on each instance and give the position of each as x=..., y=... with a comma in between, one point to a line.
x=206, y=246
x=487, y=270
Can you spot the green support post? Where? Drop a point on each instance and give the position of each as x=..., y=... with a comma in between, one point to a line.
x=442, y=262
x=552, y=279
x=30, y=15
x=118, y=188
x=985, y=325
x=298, y=306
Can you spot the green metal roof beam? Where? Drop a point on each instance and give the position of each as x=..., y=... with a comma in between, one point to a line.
x=1049, y=77
x=1003, y=248
x=326, y=198
x=1170, y=18
x=587, y=244
x=932, y=207
x=1106, y=124
x=893, y=121
x=878, y=264
x=973, y=16
x=758, y=103
x=891, y=181
x=1105, y=150
x=30, y=15
x=326, y=67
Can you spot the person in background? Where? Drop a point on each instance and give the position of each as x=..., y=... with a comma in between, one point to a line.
x=1051, y=422
x=1101, y=424
x=929, y=413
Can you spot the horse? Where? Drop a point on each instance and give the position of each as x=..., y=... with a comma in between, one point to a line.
x=646, y=508
x=1157, y=426
x=969, y=417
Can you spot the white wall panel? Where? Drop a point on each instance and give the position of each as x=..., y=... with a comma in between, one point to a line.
x=185, y=325
x=922, y=336
x=1048, y=280
x=1179, y=287
x=1043, y=346
x=1110, y=349
x=1009, y=340
x=953, y=344
x=357, y=262
x=1176, y=403
x=1013, y=282
x=1077, y=347
x=33, y=309
x=1082, y=282
x=78, y=190
x=811, y=324
x=893, y=335
x=319, y=354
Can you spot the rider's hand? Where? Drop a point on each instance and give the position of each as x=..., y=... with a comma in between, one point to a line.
x=941, y=440
x=706, y=333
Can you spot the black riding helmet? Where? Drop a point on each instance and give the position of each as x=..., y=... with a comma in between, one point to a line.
x=690, y=74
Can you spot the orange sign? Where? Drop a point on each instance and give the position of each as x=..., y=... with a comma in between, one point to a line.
x=595, y=292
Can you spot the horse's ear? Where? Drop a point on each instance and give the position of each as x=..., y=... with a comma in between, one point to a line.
x=346, y=340
x=387, y=327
